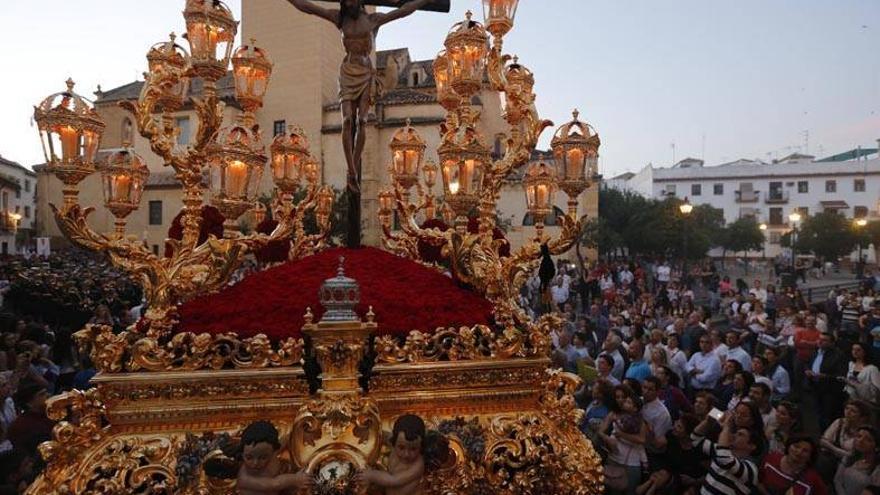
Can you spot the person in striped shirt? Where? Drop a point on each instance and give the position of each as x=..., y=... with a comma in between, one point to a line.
x=733, y=470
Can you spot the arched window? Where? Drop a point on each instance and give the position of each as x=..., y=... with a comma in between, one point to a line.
x=549, y=221
x=415, y=78
x=127, y=131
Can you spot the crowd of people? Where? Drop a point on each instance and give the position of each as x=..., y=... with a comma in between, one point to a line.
x=694, y=384
x=43, y=300
x=698, y=384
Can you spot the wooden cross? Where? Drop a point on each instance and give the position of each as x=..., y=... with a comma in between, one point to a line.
x=435, y=6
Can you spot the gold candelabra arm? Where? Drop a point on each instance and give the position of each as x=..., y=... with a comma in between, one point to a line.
x=409, y=225
x=495, y=68
x=210, y=112
x=162, y=138
x=72, y=220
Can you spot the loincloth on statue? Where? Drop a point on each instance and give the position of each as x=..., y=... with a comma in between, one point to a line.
x=357, y=80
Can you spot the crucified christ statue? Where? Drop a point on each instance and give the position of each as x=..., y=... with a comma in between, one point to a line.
x=359, y=87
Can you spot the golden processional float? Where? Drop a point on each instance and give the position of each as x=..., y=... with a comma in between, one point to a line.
x=168, y=401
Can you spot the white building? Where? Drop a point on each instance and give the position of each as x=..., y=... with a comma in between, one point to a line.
x=848, y=183
x=18, y=187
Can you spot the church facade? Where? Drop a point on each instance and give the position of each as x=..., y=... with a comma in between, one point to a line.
x=306, y=53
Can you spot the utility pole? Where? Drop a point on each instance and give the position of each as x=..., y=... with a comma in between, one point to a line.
x=806, y=142
x=673, y=152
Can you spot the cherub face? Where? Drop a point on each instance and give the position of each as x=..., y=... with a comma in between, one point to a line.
x=257, y=457
x=407, y=451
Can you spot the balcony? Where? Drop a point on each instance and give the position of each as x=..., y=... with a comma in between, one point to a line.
x=776, y=197
x=747, y=196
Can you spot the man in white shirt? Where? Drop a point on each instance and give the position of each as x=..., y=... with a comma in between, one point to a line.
x=656, y=415
x=703, y=367
x=663, y=273
x=759, y=292
x=778, y=375
x=737, y=353
x=559, y=293
x=625, y=276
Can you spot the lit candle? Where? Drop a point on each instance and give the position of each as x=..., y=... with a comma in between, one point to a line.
x=399, y=162
x=412, y=161
x=575, y=169
x=236, y=179
x=453, y=187
x=467, y=174
x=90, y=146
x=69, y=143
x=123, y=188
x=496, y=8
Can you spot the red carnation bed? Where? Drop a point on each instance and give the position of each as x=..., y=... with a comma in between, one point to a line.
x=405, y=296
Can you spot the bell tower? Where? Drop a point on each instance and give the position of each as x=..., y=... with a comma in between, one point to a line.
x=307, y=53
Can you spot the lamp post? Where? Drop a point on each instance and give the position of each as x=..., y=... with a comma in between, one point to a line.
x=763, y=228
x=685, y=208
x=794, y=218
x=860, y=224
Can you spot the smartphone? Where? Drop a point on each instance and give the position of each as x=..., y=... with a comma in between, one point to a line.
x=716, y=414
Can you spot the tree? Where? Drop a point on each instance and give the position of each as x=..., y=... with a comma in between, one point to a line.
x=631, y=223
x=828, y=234
x=743, y=234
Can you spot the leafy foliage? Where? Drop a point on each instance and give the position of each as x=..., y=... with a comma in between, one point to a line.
x=743, y=234
x=630, y=223
x=827, y=234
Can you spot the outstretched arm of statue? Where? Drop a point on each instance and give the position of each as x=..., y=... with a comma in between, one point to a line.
x=408, y=8
x=309, y=7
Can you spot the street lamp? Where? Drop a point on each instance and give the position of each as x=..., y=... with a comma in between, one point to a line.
x=860, y=223
x=685, y=208
x=763, y=228
x=794, y=218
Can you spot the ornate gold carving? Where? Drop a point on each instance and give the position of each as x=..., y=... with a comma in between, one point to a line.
x=466, y=344
x=124, y=465
x=81, y=423
x=335, y=424
x=453, y=379
x=186, y=351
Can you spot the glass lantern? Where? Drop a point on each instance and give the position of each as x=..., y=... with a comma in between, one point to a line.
x=467, y=46
x=236, y=161
x=407, y=153
x=386, y=206
x=310, y=171
x=462, y=175
x=289, y=154
x=123, y=177
x=167, y=62
x=210, y=30
x=447, y=98
x=252, y=68
x=70, y=132
x=540, y=187
x=575, y=148
x=499, y=16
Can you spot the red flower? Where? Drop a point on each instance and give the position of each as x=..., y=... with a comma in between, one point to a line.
x=212, y=223
x=275, y=251
x=405, y=296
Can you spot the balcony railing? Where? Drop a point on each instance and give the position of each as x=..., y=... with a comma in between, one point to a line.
x=747, y=196
x=776, y=197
